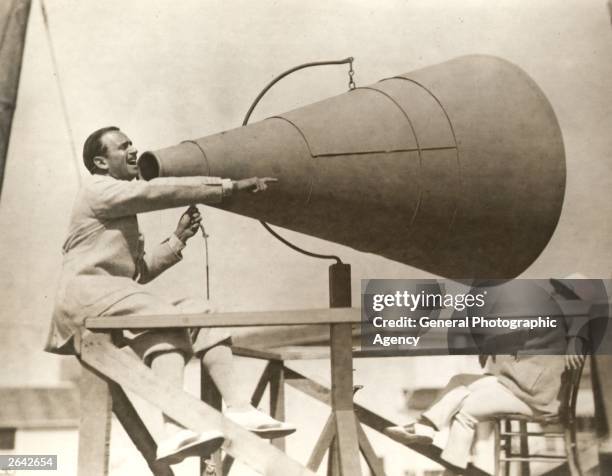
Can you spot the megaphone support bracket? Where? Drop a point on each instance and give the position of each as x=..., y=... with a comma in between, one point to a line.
x=245, y=121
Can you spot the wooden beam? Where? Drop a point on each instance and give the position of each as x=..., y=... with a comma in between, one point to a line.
x=374, y=462
x=285, y=318
x=277, y=397
x=348, y=443
x=94, y=428
x=209, y=394
x=341, y=366
x=229, y=319
x=333, y=462
x=137, y=431
x=365, y=416
x=319, y=352
x=260, y=388
x=257, y=353
x=185, y=409
x=307, y=386
x=323, y=444
x=289, y=335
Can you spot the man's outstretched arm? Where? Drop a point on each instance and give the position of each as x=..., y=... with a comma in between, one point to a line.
x=110, y=198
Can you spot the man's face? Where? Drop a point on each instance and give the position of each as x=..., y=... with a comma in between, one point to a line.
x=120, y=160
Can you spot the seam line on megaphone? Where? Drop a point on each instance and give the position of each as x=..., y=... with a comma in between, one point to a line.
x=452, y=129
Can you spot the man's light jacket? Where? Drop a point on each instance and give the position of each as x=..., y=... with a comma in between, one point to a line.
x=104, y=260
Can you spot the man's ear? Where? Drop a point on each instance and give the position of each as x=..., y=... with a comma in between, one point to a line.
x=100, y=162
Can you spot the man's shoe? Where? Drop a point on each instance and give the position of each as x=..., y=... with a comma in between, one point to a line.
x=412, y=434
x=260, y=423
x=186, y=443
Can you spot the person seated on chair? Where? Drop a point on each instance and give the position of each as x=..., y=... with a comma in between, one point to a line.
x=523, y=383
x=105, y=267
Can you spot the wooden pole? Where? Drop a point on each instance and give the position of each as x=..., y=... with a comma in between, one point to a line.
x=277, y=397
x=94, y=428
x=346, y=443
x=209, y=394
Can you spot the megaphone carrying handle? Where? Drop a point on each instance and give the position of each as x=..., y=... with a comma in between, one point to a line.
x=245, y=121
x=348, y=60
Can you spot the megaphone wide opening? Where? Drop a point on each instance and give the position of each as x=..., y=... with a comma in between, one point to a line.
x=148, y=166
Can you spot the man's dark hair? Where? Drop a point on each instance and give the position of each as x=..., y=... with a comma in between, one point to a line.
x=94, y=147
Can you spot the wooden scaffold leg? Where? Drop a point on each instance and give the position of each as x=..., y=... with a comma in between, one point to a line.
x=94, y=427
x=209, y=393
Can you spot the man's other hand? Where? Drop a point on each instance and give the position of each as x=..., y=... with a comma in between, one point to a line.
x=254, y=184
x=188, y=224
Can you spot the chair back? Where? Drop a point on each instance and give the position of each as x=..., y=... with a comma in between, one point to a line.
x=570, y=384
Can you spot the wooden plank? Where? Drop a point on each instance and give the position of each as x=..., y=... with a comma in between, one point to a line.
x=94, y=428
x=374, y=462
x=137, y=431
x=282, y=318
x=323, y=444
x=320, y=352
x=228, y=461
x=260, y=388
x=344, y=452
x=256, y=353
x=307, y=386
x=333, y=462
x=289, y=335
x=341, y=367
x=348, y=443
x=497, y=447
x=277, y=397
x=209, y=394
x=365, y=416
x=524, y=449
x=228, y=319
x=187, y=410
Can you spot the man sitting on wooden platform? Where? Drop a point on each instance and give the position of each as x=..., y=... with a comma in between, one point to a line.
x=105, y=266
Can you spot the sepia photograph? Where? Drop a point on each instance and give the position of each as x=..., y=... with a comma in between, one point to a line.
x=286, y=238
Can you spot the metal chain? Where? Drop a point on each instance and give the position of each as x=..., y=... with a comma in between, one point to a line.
x=351, y=73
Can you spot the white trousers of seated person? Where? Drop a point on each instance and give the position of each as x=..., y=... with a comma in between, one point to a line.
x=467, y=400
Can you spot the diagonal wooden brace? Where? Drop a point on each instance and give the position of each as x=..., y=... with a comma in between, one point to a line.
x=136, y=430
x=133, y=375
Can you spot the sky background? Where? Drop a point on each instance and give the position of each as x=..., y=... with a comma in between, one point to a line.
x=168, y=71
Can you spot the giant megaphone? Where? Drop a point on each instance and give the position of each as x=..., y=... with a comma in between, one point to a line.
x=457, y=169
